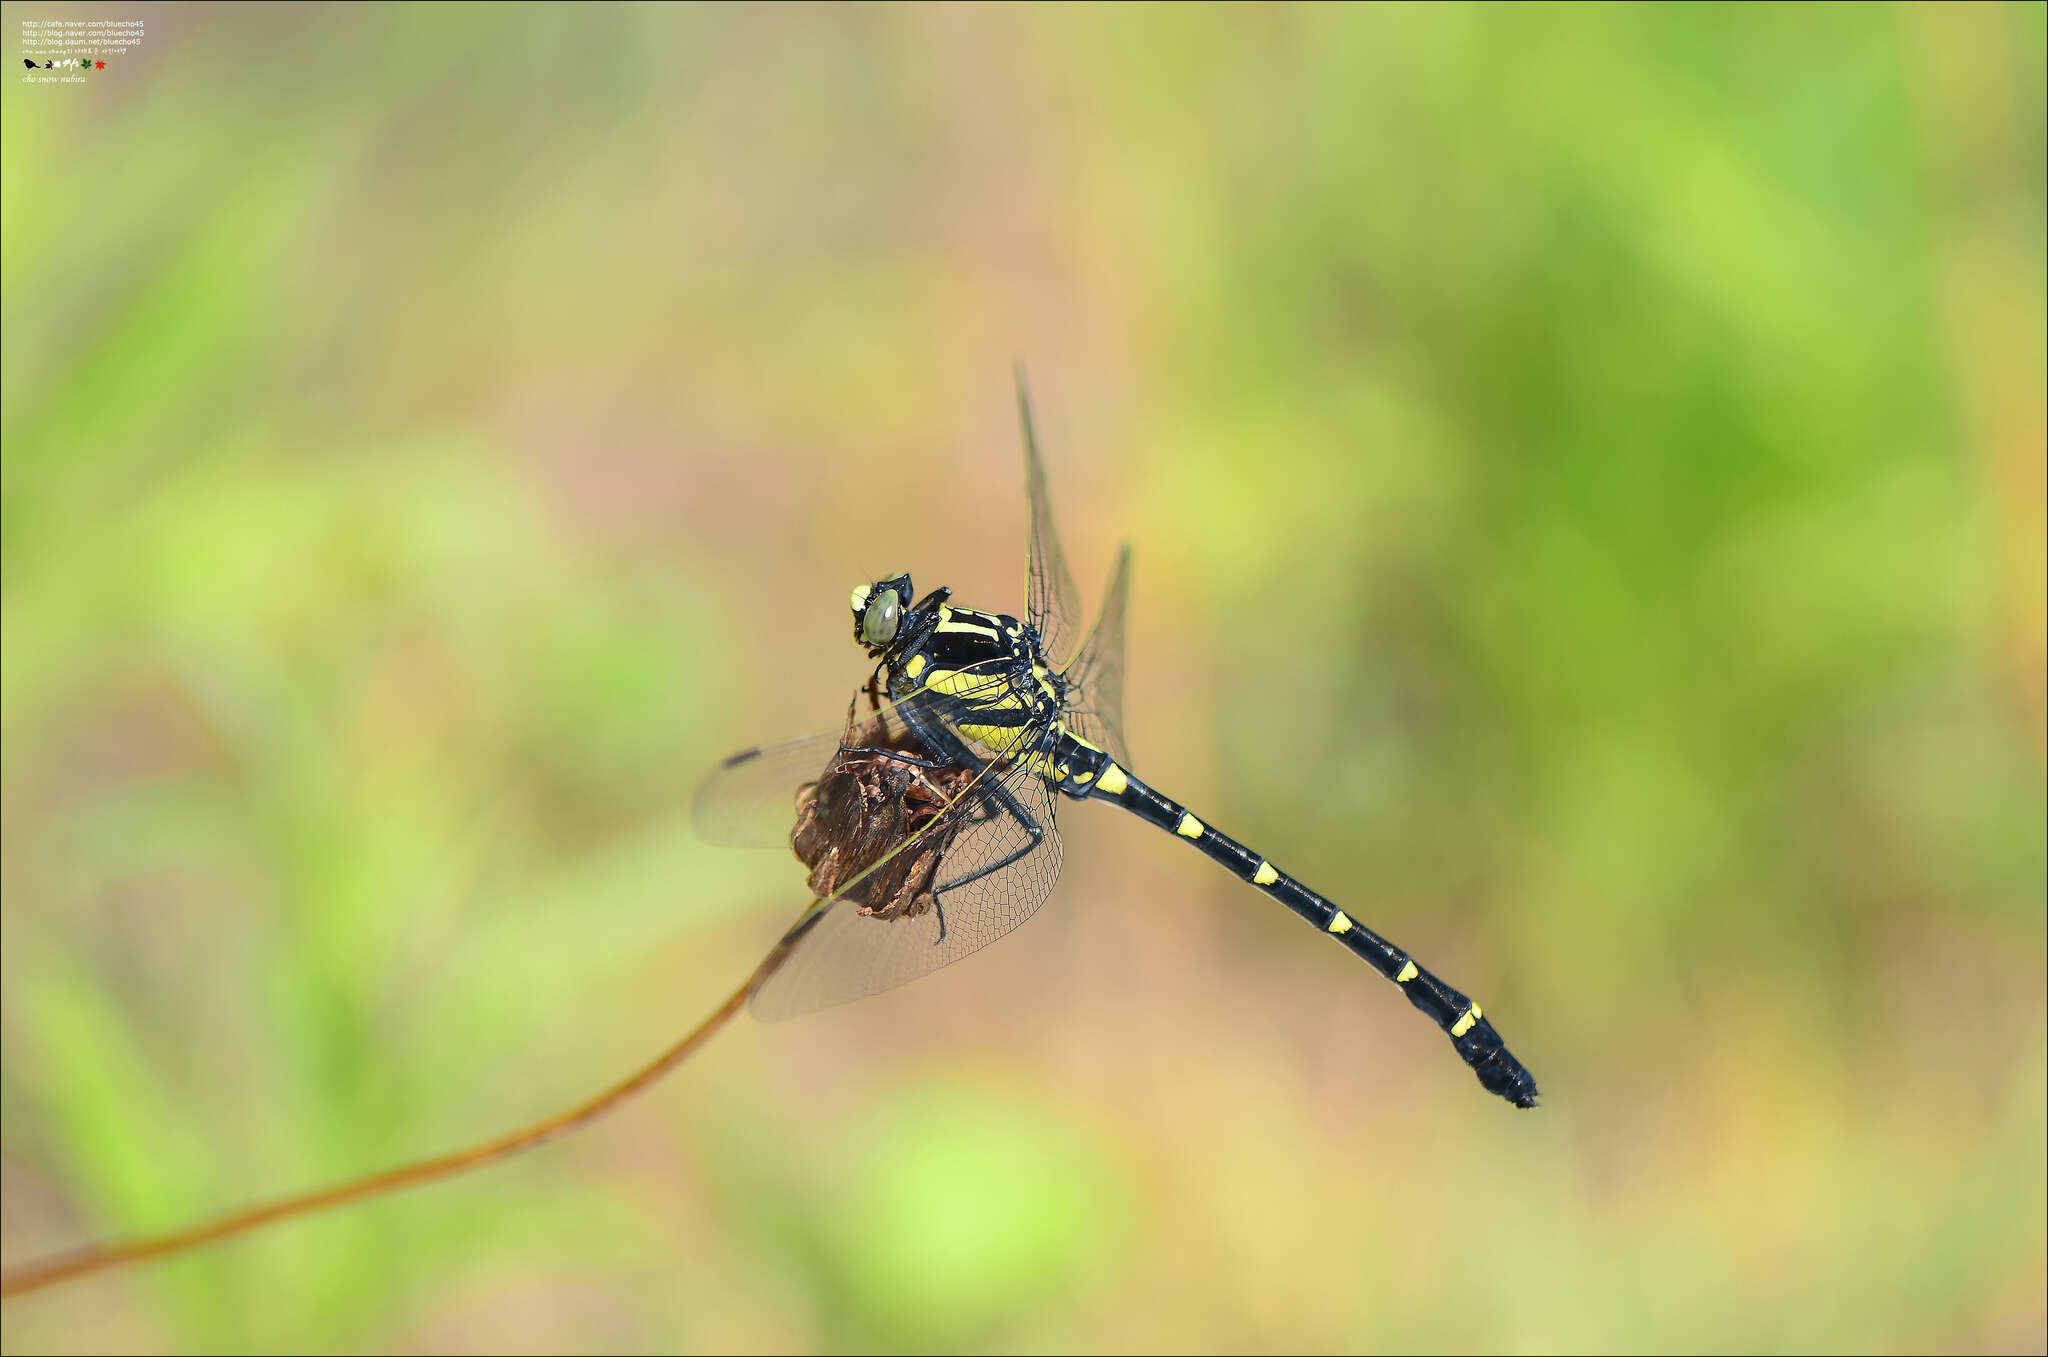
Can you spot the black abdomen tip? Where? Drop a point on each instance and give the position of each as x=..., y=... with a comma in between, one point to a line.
x=1519, y=1089
x=1497, y=1069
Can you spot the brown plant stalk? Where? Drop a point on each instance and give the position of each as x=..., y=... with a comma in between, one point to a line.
x=64, y=1267
x=881, y=817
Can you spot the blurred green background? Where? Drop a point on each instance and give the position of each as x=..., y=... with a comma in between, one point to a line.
x=1586, y=473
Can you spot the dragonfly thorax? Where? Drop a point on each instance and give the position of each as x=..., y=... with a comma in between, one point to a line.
x=984, y=678
x=930, y=641
x=982, y=657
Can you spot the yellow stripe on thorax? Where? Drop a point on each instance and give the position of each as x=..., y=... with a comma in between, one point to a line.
x=997, y=739
x=990, y=692
x=981, y=692
x=948, y=622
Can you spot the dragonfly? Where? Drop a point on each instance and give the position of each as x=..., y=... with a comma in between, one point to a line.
x=930, y=819
x=929, y=823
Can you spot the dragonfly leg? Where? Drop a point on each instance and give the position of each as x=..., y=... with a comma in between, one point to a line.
x=990, y=802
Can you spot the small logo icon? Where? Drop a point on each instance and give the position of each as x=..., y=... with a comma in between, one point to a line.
x=68, y=64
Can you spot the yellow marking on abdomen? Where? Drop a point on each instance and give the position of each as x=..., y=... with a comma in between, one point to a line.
x=1464, y=1024
x=1341, y=924
x=1265, y=876
x=1113, y=782
x=1408, y=972
x=1189, y=827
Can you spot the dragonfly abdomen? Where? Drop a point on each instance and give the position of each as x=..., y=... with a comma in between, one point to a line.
x=1474, y=1037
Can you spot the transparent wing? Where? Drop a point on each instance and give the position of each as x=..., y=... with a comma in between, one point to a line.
x=750, y=799
x=1096, y=677
x=988, y=862
x=1050, y=600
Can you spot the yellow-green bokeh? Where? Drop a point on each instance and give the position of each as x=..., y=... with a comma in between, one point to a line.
x=1585, y=467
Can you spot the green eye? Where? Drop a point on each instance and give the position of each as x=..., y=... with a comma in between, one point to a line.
x=878, y=623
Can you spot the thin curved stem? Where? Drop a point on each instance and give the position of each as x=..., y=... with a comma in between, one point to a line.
x=64, y=1267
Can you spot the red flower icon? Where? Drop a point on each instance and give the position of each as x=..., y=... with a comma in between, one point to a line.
x=99, y=65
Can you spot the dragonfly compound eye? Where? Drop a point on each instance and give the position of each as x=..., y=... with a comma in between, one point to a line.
x=878, y=623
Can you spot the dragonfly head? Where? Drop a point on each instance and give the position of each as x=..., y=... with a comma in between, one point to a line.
x=878, y=610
